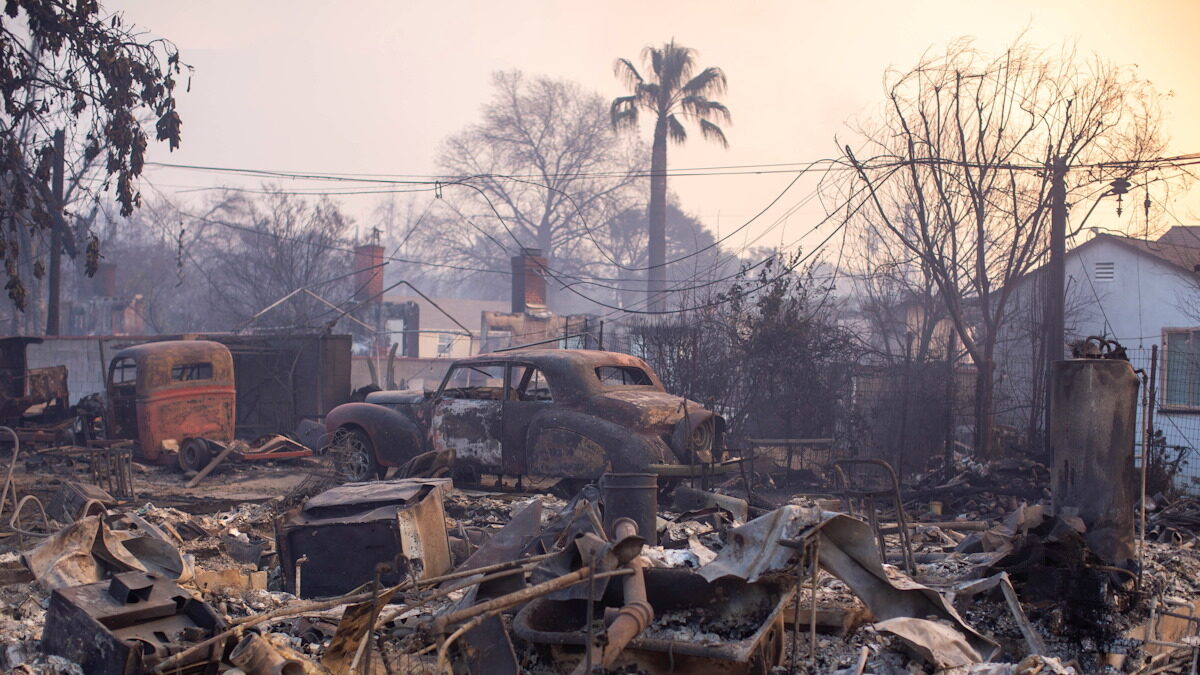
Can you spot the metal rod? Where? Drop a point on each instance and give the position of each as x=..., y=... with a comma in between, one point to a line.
x=524, y=595
x=796, y=623
x=1147, y=438
x=587, y=651
x=812, y=619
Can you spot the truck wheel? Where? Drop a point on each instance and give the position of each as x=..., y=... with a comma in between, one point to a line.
x=353, y=456
x=194, y=454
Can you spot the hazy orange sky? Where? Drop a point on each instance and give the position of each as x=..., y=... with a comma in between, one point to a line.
x=373, y=87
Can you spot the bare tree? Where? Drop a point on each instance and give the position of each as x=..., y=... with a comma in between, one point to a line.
x=71, y=70
x=151, y=251
x=897, y=297
x=542, y=169
x=970, y=142
x=257, y=251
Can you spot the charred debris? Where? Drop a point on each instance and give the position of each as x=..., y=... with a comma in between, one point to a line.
x=116, y=566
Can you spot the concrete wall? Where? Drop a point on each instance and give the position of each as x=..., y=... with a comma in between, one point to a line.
x=86, y=359
x=409, y=373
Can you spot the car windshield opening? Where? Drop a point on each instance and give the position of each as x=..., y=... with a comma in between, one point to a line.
x=476, y=382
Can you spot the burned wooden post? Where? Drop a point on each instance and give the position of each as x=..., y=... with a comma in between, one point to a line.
x=1093, y=408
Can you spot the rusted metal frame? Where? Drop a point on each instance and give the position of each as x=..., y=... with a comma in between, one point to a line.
x=334, y=307
x=489, y=572
x=517, y=597
x=868, y=496
x=476, y=614
x=1190, y=617
x=15, y=523
x=810, y=545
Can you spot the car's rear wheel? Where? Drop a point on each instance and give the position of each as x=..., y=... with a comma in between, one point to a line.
x=194, y=454
x=353, y=456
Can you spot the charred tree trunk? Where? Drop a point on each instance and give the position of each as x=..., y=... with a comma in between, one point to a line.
x=656, y=276
x=984, y=381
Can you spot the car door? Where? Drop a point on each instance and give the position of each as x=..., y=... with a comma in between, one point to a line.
x=528, y=394
x=467, y=415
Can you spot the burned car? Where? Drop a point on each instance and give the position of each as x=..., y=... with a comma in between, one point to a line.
x=546, y=412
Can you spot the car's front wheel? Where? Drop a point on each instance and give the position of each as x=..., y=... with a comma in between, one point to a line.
x=353, y=456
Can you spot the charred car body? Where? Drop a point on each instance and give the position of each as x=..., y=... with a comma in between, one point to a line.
x=549, y=412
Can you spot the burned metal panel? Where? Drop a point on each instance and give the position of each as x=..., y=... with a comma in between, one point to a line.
x=472, y=428
x=1093, y=413
x=395, y=431
x=349, y=530
x=266, y=386
x=515, y=418
x=22, y=387
x=126, y=625
x=282, y=379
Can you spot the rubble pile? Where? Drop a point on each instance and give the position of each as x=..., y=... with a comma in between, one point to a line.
x=418, y=575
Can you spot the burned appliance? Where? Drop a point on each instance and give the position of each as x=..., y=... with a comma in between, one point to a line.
x=128, y=624
x=342, y=538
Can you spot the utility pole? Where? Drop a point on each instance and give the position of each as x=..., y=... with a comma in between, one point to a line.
x=56, y=231
x=1055, y=282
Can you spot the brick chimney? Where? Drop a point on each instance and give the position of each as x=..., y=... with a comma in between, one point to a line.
x=368, y=273
x=528, y=280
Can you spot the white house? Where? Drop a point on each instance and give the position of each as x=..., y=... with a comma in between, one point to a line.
x=1140, y=293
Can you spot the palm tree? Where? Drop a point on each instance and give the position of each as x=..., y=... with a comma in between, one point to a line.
x=671, y=95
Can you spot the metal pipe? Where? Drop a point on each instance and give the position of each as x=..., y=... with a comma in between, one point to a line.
x=1147, y=438
x=633, y=618
x=299, y=563
x=255, y=655
x=624, y=527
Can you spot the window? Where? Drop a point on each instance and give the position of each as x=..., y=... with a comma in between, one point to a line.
x=1105, y=271
x=482, y=381
x=530, y=384
x=445, y=344
x=623, y=376
x=187, y=372
x=124, y=371
x=1181, y=373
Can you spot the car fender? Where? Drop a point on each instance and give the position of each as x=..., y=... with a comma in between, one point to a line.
x=683, y=431
x=574, y=444
x=394, y=437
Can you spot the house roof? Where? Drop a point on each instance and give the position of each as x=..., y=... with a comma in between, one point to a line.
x=1179, y=247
